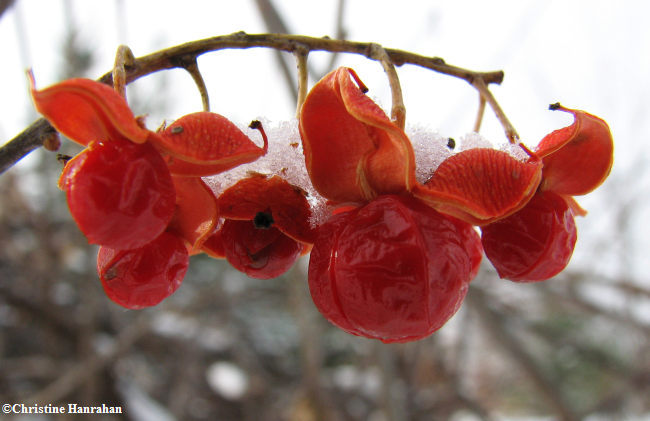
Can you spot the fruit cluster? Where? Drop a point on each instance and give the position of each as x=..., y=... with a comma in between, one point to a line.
x=394, y=259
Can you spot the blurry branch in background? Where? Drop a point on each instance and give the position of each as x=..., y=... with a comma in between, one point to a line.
x=497, y=327
x=275, y=24
x=77, y=54
x=185, y=55
x=340, y=33
x=76, y=376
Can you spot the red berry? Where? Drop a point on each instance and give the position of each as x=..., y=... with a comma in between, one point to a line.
x=394, y=269
x=533, y=244
x=261, y=252
x=145, y=276
x=120, y=193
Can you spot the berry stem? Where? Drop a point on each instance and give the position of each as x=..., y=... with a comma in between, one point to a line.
x=257, y=125
x=303, y=77
x=398, y=110
x=479, y=113
x=124, y=61
x=487, y=96
x=193, y=69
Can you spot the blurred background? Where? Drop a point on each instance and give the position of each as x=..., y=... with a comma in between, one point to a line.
x=226, y=347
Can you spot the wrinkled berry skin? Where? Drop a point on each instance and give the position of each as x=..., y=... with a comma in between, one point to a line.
x=261, y=253
x=120, y=193
x=394, y=269
x=145, y=276
x=533, y=244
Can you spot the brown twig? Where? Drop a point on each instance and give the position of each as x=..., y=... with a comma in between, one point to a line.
x=180, y=55
x=29, y=139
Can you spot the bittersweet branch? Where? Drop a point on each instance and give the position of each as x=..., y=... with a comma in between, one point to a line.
x=185, y=56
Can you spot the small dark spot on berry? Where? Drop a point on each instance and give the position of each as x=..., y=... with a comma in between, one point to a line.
x=451, y=143
x=177, y=129
x=263, y=220
x=110, y=274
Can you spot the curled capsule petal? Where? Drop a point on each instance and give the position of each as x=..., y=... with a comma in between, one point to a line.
x=85, y=110
x=353, y=151
x=577, y=158
x=481, y=185
x=205, y=143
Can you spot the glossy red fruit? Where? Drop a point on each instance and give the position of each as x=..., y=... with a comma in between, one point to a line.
x=120, y=193
x=394, y=269
x=145, y=276
x=259, y=250
x=533, y=244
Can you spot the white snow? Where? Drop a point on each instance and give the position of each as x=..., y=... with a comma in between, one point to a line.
x=227, y=379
